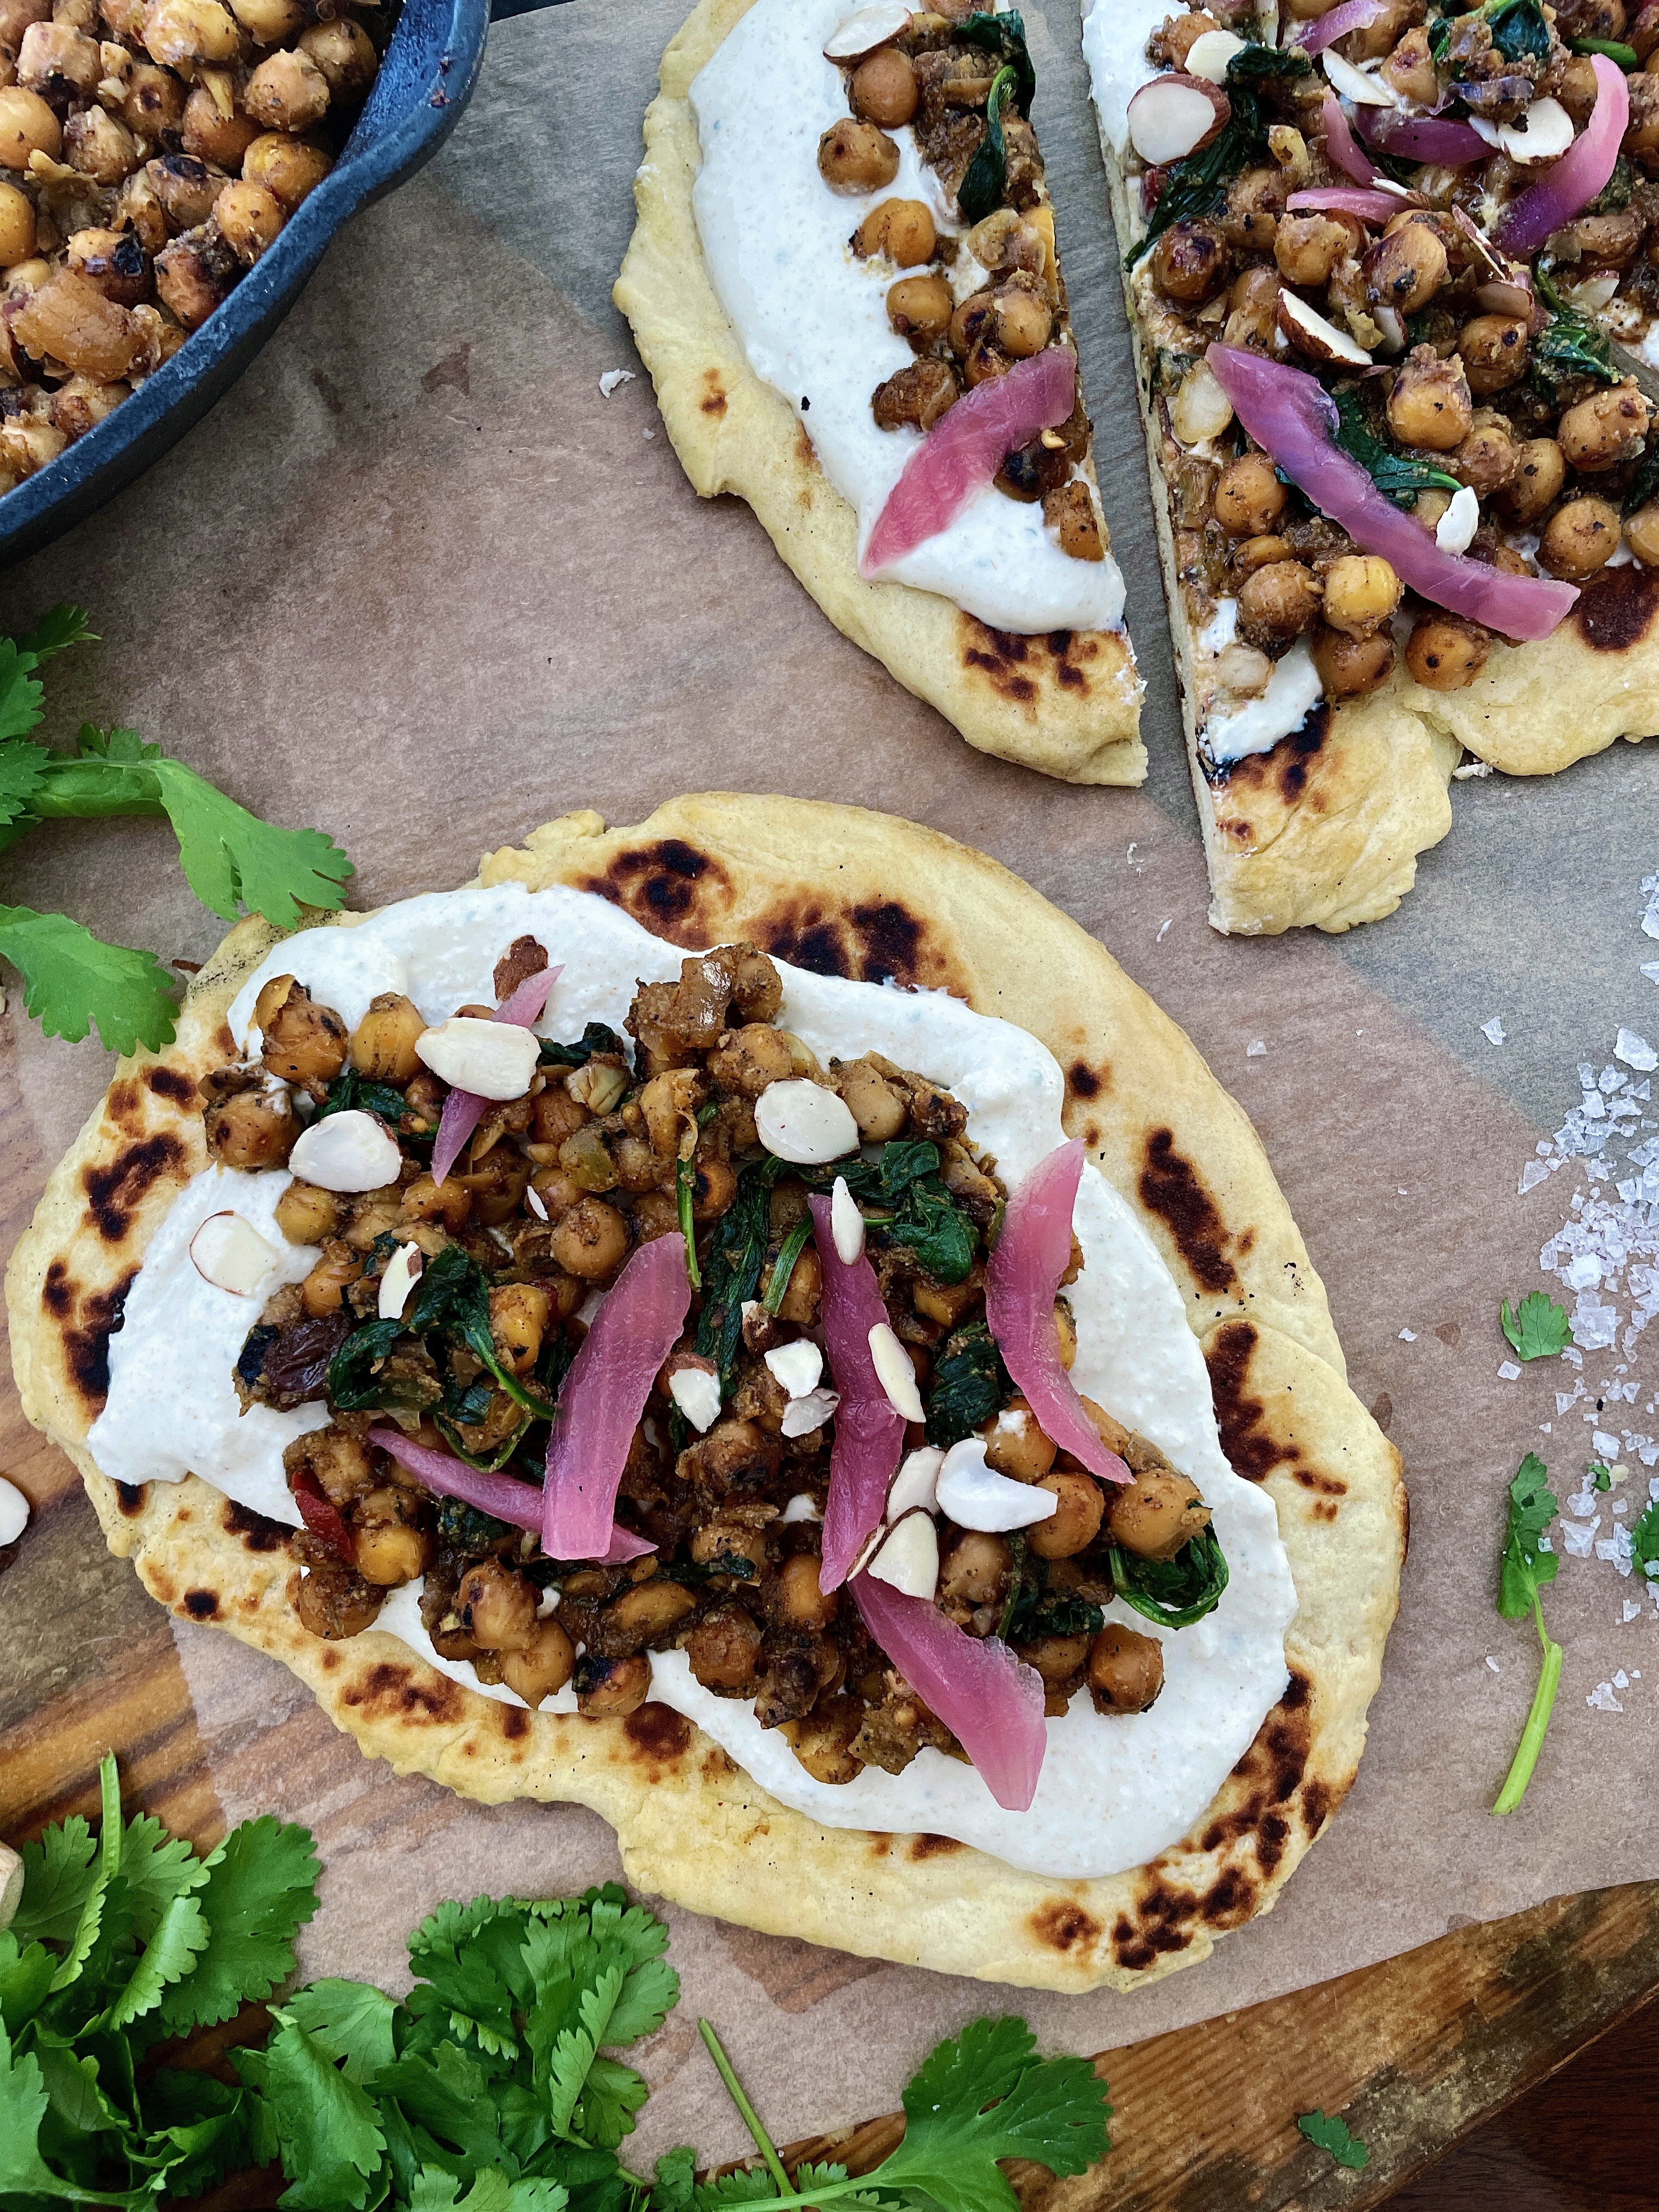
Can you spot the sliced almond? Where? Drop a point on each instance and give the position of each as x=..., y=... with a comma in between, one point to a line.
x=802, y=1415
x=909, y=1560
x=492, y=1060
x=797, y=1366
x=1392, y=324
x=974, y=1496
x=895, y=1373
x=230, y=1254
x=347, y=1151
x=696, y=1392
x=1500, y=297
x=401, y=1272
x=1210, y=52
x=1454, y=531
x=1543, y=134
x=13, y=1519
x=915, y=1485
x=801, y=1121
x=865, y=30
x=803, y=1507
x=1308, y=331
x=1173, y=116
x=1356, y=84
x=11, y=1864
x=1201, y=409
x=846, y=1223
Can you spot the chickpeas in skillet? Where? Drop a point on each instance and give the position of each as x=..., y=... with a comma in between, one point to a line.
x=152, y=153
x=618, y=1140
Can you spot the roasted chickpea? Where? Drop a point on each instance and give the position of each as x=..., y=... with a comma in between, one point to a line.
x=1307, y=247
x=334, y=1602
x=1025, y=322
x=543, y=1665
x=1642, y=534
x=714, y=1186
x=1069, y=511
x=28, y=126
x=306, y=1215
x=447, y=1203
x=1644, y=32
x=497, y=1608
x=519, y=1315
x=750, y=1059
x=647, y=1612
x=917, y=396
x=388, y=1549
x=1190, y=262
x=100, y=147
x=268, y=22
x=920, y=309
x=16, y=225
x=1361, y=593
x=800, y=1300
x=884, y=88
x=1253, y=308
x=181, y=33
x=287, y=167
x=1015, y=1445
x=345, y=54
x=328, y=1282
x=1351, y=666
x=1493, y=350
x=1488, y=456
x=590, y=1240
x=333, y=1458
x=1405, y=267
x=58, y=62
x=1181, y=33
x=287, y=92
x=1059, y=1659
x=1581, y=537
x=213, y=135
x=1610, y=239
x=610, y=1689
x=1540, y=470
x=1125, y=1669
x=857, y=157
x=1278, y=602
x=1410, y=69
x=975, y=1570
x=254, y=1130
x=1250, y=215
x=153, y=101
x=81, y=403
x=799, y=1601
x=1254, y=553
x=1156, y=1513
x=300, y=1041
x=1605, y=429
x=1249, y=497
x=1430, y=403
x=1075, y=1522
x=383, y=1042
x=1443, y=653
x=877, y=1107
x=902, y=230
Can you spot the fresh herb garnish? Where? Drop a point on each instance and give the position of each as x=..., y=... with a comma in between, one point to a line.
x=494, y=2086
x=1538, y=1327
x=694, y=1572
x=971, y=1383
x=1527, y=1566
x=1191, y=187
x=1615, y=50
x=1398, y=476
x=1571, y=344
x=595, y=1038
x=1175, y=1592
x=1644, y=1543
x=1328, y=2133
x=1003, y=35
x=1601, y=1476
x=231, y=859
x=904, y=1196
x=985, y=177
x=685, y=1192
x=452, y=1296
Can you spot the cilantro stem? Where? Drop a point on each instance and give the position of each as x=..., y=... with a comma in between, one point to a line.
x=685, y=1176
x=763, y=2143
x=784, y=1267
x=1538, y=1719
x=109, y=1792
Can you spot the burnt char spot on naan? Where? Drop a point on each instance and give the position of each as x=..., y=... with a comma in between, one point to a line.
x=1017, y=668
x=131, y=1497
x=714, y=393
x=1283, y=770
x=880, y=941
x=658, y=1735
x=256, y=1532
x=392, y=1690
x=115, y=1192
x=201, y=1604
x=85, y=1325
x=1060, y=1923
x=670, y=887
x=515, y=1723
x=1251, y=1448
x=172, y=1083
x=933, y=1847
x=1083, y=1081
x=1170, y=1188
x=1616, y=608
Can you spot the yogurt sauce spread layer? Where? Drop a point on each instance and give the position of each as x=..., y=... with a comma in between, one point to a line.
x=1229, y=724
x=1114, y=1791
x=813, y=317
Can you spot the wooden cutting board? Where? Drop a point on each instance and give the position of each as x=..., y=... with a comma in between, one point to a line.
x=1414, y=2053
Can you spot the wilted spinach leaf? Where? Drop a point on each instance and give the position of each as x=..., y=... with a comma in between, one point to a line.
x=971, y=1383
x=1173, y=1592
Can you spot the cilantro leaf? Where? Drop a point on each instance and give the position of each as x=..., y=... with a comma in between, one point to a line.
x=58, y=629
x=158, y=1868
x=1644, y=1543
x=1601, y=1476
x=1052, y=2111
x=1525, y=1568
x=22, y=769
x=676, y=2174
x=119, y=745
x=23, y=2171
x=230, y=856
x=327, y=2127
x=351, y=2020
x=181, y=1935
x=435, y=2190
x=21, y=696
x=1538, y=1328
x=261, y=1887
x=57, y=1880
x=25, y=1977
x=72, y=979
x=1328, y=2133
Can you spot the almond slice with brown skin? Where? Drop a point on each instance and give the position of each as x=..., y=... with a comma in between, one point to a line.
x=865, y=30
x=1307, y=330
x=1173, y=116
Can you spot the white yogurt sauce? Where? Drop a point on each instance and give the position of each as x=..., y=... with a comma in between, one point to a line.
x=813, y=317
x=1115, y=35
x=1114, y=1791
x=1256, y=726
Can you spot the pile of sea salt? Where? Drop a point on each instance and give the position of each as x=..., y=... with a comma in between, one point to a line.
x=1606, y=1256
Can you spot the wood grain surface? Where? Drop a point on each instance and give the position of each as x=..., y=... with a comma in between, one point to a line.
x=1415, y=2053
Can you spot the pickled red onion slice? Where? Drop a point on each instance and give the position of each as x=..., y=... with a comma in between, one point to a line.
x=518, y=1503
x=1568, y=186
x=1291, y=417
x=965, y=448
x=1422, y=137
x=1021, y=1283
x=1352, y=199
x=990, y=1701
x=603, y=1398
x=464, y=1109
x=869, y=1432
x=1342, y=146
x=1352, y=15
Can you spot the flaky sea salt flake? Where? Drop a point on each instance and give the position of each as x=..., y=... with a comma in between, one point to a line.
x=614, y=379
x=1635, y=1051
x=1408, y=1336
x=1255, y=1049
x=1508, y=1371
x=1493, y=1030
x=1601, y=1699
x=1493, y=1664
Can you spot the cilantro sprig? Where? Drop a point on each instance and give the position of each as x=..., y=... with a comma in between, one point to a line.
x=73, y=981
x=1526, y=1567
x=1538, y=1327
x=1327, y=2132
x=495, y=2086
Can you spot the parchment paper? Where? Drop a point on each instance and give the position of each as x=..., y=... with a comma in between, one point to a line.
x=417, y=581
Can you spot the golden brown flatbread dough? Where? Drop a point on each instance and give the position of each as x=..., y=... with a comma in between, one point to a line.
x=1067, y=702
x=843, y=891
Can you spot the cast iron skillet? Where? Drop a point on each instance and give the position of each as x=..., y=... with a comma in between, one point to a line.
x=424, y=81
